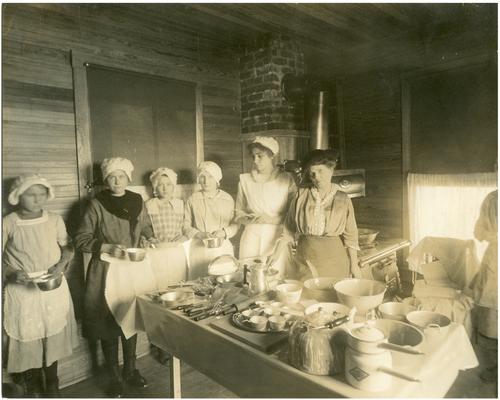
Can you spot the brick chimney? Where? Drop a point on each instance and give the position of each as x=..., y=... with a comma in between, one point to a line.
x=264, y=110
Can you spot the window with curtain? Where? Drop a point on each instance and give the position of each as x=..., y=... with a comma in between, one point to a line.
x=447, y=205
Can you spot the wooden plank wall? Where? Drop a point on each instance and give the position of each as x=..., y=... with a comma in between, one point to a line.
x=372, y=119
x=38, y=109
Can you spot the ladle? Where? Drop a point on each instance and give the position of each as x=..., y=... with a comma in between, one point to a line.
x=397, y=374
x=313, y=269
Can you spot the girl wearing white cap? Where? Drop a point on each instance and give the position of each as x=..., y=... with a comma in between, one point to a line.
x=40, y=325
x=115, y=218
x=262, y=200
x=165, y=211
x=209, y=213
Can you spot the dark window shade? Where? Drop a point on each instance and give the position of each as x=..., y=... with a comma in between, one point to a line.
x=149, y=120
x=454, y=121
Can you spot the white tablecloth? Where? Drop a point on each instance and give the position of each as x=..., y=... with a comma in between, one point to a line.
x=128, y=279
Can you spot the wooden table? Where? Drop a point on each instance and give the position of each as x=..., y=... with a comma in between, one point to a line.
x=252, y=373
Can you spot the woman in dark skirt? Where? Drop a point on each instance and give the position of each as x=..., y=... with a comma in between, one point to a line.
x=322, y=216
x=116, y=218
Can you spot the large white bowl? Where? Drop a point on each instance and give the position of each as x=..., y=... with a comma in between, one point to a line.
x=364, y=294
x=432, y=323
x=321, y=289
x=328, y=308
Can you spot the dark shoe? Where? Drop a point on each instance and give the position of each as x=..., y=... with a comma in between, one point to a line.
x=52, y=390
x=489, y=375
x=32, y=380
x=116, y=389
x=134, y=378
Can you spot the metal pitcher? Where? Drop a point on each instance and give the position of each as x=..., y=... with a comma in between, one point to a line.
x=255, y=275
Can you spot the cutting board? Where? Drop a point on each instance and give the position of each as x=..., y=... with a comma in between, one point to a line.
x=266, y=342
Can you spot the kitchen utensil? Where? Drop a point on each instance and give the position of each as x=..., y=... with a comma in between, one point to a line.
x=312, y=348
x=289, y=293
x=223, y=265
x=397, y=374
x=432, y=323
x=333, y=309
x=257, y=322
x=173, y=297
x=395, y=310
x=313, y=269
x=321, y=289
x=213, y=242
x=136, y=254
x=48, y=281
x=256, y=277
x=364, y=371
x=395, y=335
x=364, y=358
x=277, y=323
x=364, y=294
x=366, y=236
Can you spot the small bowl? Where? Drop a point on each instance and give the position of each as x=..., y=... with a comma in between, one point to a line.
x=213, y=243
x=258, y=322
x=396, y=311
x=248, y=313
x=289, y=293
x=432, y=323
x=366, y=236
x=48, y=282
x=276, y=304
x=231, y=278
x=269, y=312
x=171, y=298
x=277, y=323
x=136, y=254
x=364, y=294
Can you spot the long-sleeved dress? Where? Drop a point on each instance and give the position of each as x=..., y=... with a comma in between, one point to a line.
x=269, y=197
x=36, y=321
x=102, y=223
x=208, y=214
x=325, y=227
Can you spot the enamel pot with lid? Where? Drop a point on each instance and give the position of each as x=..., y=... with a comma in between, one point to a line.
x=364, y=359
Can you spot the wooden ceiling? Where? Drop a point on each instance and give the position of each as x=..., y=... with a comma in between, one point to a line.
x=332, y=31
x=334, y=36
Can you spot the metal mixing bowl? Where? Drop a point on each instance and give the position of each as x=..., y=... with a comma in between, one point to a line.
x=213, y=243
x=366, y=236
x=49, y=281
x=136, y=254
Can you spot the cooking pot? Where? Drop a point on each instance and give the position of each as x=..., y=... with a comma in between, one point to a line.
x=368, y=362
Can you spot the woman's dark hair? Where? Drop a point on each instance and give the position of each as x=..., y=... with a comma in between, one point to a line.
x=253, y=145
x=321, y=157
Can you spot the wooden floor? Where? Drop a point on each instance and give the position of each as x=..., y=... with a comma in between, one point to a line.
x=197, y=385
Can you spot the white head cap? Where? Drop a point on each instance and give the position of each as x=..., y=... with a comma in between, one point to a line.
x=110, y=165
x=162, y=171
x=268, y=142
x=24, y=182
x=211, y=168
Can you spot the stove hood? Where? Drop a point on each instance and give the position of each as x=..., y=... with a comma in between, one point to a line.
x=351, y=181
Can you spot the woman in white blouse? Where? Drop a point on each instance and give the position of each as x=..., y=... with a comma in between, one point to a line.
x=209, y=213
x=262, y=200
x=322, y=216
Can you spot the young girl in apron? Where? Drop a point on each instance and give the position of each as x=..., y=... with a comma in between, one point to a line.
x=209, y=213
x=40, y=325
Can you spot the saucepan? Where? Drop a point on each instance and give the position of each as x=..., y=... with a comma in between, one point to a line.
x=432, y=323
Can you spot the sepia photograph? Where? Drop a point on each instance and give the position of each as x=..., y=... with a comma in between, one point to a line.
x=256, y=200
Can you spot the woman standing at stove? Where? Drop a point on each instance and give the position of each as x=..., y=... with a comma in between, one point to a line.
x=323, y=218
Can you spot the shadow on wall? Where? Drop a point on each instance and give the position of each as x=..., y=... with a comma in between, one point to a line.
x=6, y=185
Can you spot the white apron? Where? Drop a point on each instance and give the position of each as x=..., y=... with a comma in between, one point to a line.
x=32, y=314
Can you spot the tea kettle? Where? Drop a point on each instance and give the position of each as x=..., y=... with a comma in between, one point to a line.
x=256, y=276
